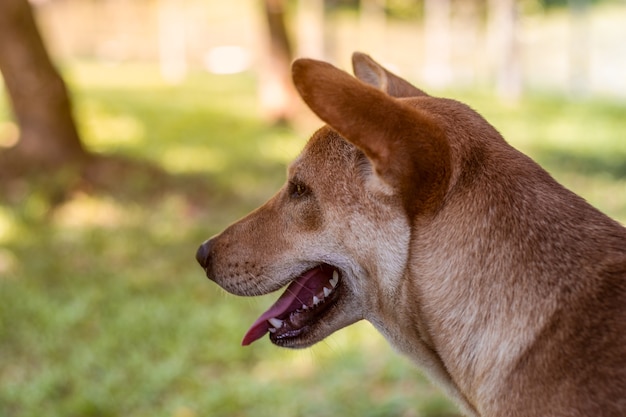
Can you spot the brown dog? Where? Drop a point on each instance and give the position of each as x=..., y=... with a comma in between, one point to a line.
x=412, y=212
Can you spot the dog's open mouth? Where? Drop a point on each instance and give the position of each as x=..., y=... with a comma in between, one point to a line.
x=303, y=303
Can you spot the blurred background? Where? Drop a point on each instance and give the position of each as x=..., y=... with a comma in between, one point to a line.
x=131, y=131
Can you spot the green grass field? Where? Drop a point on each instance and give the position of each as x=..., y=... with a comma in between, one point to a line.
x=104, y=312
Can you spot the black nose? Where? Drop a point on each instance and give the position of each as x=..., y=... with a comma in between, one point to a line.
x=202, y=255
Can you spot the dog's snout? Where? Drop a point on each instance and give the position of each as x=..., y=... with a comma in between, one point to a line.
x=203, y=253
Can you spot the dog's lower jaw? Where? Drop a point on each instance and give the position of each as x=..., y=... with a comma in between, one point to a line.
x=300, y=322
x=340, y=313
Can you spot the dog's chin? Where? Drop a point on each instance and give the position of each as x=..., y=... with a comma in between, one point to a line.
x=304, y=328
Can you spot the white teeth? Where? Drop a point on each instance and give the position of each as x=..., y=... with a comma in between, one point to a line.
x=276, y=323
x=335, y=279
x=272, y=330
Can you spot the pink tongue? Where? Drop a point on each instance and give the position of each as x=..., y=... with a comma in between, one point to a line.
x=291, y=299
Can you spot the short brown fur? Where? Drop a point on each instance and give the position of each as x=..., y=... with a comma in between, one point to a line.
x=467, y=256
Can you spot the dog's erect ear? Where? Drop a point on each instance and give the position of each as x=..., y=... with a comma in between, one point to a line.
x=407, y=148
x=372, y=73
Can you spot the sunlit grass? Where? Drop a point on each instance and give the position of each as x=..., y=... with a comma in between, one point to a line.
x=110, y=132
x=104, y=312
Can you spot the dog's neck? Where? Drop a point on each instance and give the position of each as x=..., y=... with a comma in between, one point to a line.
x=473, y=338
x=402, y=329
x=484, y=312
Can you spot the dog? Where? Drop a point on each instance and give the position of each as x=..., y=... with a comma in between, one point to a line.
x=412, y=212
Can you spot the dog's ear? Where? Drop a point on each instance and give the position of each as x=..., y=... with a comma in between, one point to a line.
x=374, y=74
x=406, y=147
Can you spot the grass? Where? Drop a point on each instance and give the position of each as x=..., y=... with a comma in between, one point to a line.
x=103, y=311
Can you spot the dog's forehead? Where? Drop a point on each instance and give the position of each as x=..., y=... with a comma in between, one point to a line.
x=326, y=148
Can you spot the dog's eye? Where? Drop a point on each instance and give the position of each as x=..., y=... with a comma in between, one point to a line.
x=297, y=189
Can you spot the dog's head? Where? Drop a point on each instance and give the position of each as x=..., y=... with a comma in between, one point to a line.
x=337, y=234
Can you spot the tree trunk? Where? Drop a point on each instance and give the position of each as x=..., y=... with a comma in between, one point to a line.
x=277, y=93
x=38, y=96
x=311, y=26
x=579, y=47
x=437, y=42
x=172, y=41
x=503, y=31
x=372, y=25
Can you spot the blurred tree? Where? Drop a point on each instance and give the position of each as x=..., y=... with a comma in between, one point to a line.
x=172, y=40
x=504, y=30
x=437, y=42
x=277, y=94
x=311, y=24
x=38, y=96
x=579, y=54
x=372, y=26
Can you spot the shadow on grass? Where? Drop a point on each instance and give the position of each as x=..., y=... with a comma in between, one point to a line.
x=133, y=179
x=127, y=180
